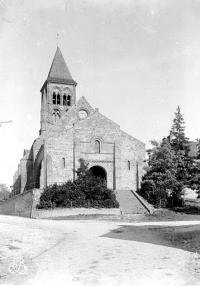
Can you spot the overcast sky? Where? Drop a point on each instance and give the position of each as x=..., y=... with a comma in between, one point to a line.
x=134, y=60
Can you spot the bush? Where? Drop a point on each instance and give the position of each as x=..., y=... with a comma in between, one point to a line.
x=159, y=195
x=86, y=191
x=147, y=186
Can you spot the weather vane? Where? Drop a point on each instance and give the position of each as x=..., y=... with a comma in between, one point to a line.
x=57, y=38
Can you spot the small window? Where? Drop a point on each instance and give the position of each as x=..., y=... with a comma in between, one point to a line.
x=68, y=100
x=54, y=98
x=64, y=100
x=58, y=98
x=56, y=116
x=129, y=165
x=63, y=163
x=97, y=146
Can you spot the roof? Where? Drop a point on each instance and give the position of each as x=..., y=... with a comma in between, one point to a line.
x=59, y=71
x=25, y=152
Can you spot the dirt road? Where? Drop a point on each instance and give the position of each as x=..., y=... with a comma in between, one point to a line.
x=47, y=252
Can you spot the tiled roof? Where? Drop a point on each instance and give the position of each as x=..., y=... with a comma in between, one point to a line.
x=59, y=71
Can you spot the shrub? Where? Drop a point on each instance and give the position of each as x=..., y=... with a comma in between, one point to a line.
x=147, y=186
x=86, y=191
x=148, y=190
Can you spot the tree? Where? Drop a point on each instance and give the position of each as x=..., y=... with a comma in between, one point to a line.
x=169, y=165
x=198, y=148
x=83, y=169
x=181, y=146
x=179, y=142
x=4, y=192
x=194, y=180
x=160, y=179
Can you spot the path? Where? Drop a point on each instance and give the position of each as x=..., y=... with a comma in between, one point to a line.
x=83, y=253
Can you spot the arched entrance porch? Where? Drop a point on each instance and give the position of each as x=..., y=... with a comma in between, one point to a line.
x=99, y=172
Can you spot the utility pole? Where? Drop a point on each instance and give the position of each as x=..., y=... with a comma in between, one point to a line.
x=1, y=122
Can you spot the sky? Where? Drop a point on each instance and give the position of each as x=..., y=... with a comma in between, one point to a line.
x=136, y=61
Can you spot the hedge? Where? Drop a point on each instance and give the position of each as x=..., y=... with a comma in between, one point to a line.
x=85, y=192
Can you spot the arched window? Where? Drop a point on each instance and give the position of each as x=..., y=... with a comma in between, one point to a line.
x=97, y=146
x=54, y=98
x=58, y=98
x=68, y=100
x=56, y=116
x=64, y=99
x=63, y=163
x=129, y=165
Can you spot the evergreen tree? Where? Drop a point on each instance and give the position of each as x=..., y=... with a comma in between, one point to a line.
x=170, y=167
x=198, y=148
x=160, y=179
x=181, y=146
x=178, y=140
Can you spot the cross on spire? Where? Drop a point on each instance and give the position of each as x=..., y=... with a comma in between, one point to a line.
x=57, y=38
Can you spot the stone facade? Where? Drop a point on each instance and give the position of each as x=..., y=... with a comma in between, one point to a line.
x=72, y=130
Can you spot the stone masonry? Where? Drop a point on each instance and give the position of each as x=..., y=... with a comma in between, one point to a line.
x=72, y=130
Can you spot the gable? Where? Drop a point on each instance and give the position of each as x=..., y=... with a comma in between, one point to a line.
x=97, y=120
x=96, y=125
x=133, y=139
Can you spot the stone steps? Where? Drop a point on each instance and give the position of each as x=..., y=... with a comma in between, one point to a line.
x=131, y=203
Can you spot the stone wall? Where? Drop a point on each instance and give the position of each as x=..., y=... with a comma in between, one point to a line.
x=67, y=143
x=25, y=205
x=132, y=156
x=55, y=154
x=63, y=212
x=22, y=204
x=19, y=205
x=59, y=156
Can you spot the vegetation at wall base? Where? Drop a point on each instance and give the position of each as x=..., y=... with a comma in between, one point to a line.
x=5, y=194
x=170, y=167
x=87, y=191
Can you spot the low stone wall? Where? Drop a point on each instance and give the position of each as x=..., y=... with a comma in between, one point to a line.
x=62, y=212
x=147, y=207
x=22, y=205
x=19, y=205
x=25, y=205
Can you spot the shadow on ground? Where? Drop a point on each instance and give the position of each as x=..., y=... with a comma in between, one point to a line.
x=187, y=209
x=182, y=237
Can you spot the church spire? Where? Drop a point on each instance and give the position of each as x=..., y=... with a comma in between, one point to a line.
x=59, y=71
x=58, y=93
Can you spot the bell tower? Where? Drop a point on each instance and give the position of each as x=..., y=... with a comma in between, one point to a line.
x=58, y=93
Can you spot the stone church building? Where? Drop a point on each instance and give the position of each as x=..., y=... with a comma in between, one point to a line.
x=71, y=130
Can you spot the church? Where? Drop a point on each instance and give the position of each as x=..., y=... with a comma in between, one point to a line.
x=71, y=130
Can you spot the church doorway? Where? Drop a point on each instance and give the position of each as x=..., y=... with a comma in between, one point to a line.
x=99, y=172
